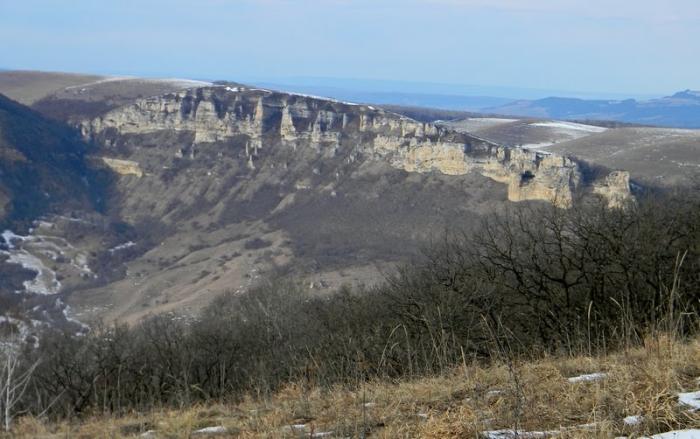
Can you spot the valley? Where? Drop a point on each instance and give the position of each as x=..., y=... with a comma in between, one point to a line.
x=206, y=187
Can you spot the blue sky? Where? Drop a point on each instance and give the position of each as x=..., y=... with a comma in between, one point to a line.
x=623, y=46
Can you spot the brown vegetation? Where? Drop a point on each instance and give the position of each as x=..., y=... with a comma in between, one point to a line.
x=491, y=321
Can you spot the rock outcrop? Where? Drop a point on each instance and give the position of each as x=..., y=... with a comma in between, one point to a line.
x=263, y=118
x=614, y=188
x=121, y=167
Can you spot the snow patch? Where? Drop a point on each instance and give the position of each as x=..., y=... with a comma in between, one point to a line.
x=211, y=430
x=179, y=82
x=323, y=98
x=45, y=282
x=690, y=399
x=633, y=420
x=122, y=246
x=9, y=237
x=520, y=434
x=84, y=329
x=677, y=434
x=512, y=434
x=570, y=126
x=590, y=377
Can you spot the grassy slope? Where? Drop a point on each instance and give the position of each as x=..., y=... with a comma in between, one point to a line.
x=529, y=395
x=28, y=87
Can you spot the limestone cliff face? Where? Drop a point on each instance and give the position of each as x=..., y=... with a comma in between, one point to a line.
x=263, y=119
x=614, y=188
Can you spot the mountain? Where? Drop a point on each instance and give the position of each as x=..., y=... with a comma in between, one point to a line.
x=214, y=185
x=681, y=110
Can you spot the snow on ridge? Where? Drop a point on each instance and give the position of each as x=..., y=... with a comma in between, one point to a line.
x=100, y=81
x=321, y=98
x=570, y=126
x=178, y=82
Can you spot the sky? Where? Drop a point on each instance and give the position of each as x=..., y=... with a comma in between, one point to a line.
x=636, y=47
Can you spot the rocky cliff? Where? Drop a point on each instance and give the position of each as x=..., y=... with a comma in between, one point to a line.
x=260, y=119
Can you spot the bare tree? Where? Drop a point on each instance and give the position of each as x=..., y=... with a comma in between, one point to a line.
x=14, y=379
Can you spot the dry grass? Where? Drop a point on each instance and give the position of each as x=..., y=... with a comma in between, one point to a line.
x=532, y=395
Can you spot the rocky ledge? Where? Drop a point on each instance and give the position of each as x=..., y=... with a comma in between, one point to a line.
x=216, y=114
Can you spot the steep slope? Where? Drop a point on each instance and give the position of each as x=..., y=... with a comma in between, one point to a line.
x=42, y=165
x=46, y=185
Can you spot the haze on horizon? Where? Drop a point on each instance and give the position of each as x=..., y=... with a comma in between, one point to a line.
x=640, y=48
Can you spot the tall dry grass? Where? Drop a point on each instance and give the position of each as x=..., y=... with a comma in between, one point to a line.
x=529, y=395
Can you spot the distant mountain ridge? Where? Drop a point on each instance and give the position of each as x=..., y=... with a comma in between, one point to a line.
x=681, y=110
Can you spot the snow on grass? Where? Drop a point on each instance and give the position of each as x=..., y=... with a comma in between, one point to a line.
x=45, y=282
x=690, y=399
x=211, y=430
x=633, y=420
x=478, y=123
x=590, y=377
x=512, y=434
x=84, y=329
x=294, y=427
x=677, y=434
x=570, y=126
x=10, y=237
